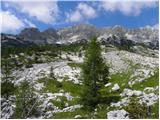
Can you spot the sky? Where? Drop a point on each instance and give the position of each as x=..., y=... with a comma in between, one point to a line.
x=42, y=14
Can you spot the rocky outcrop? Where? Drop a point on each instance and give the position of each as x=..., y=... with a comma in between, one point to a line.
x=48, y=36
x=118, y=114
x=8, y=40
x=30, y=34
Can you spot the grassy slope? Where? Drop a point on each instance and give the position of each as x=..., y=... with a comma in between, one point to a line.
x=149, y=82
x=120, y=78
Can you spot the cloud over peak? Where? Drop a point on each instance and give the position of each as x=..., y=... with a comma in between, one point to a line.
x=11, y=23
x=83, y=12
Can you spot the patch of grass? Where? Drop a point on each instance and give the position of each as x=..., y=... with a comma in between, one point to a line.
x=74, y=101
x=74, y=65
x=51, y=85
x=102, y=110
x=125, y=47
x=74, y=89
x=63, y=101
x=100, y=113
x=143, y=46
x=155, y=111
x=107, y=92
x=70, y=115
x=149, y=82
x=121, y=78
x=110, y=98
x=60, y=104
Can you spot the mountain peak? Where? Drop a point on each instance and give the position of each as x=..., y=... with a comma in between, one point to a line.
x=30, y=33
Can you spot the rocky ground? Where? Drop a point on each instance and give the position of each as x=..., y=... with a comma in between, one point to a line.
x=131, y=74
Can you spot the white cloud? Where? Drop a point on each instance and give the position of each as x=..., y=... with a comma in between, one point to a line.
x=74, y=17
x=29, y=23
x=82, y=12
x=128, y=8
x=86, y=10
x=10, y=23
x=44, y=11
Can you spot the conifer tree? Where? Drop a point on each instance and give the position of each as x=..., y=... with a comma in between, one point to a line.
x=26, y=101
x=7, y=85
x=94, y=74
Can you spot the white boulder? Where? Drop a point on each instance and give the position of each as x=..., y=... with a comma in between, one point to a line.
x=137, y=93
x=115, y=87
x=149, y=99
x=118, y=114
x=78, y=116
x=108, y=84
x=128, y=93
x=121, y=103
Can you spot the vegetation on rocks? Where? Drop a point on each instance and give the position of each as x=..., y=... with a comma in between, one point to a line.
x=26, y=102
x=49, y=73
x=137, y=110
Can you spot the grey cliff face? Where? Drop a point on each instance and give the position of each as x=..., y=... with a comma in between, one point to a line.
x=82, y=33
x=50, y=35
x=8, y=40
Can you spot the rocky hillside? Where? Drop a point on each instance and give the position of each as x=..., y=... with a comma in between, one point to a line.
x=54, y=72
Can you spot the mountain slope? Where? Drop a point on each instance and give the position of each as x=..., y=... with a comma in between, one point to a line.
x=54, y=71
x=118, y=35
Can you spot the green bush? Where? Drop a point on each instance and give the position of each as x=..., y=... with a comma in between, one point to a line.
x=137, y=110
x=7, y=89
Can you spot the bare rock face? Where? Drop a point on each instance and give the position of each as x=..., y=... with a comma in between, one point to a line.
x=8, y=40
x=83, y=31
x=117, y=36
x=32, y=35
x=118, y=114
x=50, y=35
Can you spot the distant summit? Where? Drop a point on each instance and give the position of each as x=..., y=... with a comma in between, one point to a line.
x=83, y=32
x=30, y=34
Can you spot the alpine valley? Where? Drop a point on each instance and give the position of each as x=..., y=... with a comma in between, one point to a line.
x=50, y=61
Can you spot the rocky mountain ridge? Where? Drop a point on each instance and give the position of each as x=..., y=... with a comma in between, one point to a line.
x=116, y=35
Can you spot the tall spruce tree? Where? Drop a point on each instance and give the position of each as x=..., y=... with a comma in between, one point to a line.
x=94, y=74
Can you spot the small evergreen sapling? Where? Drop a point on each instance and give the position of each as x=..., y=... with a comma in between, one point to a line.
x=26, y=101
x=7, y=85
